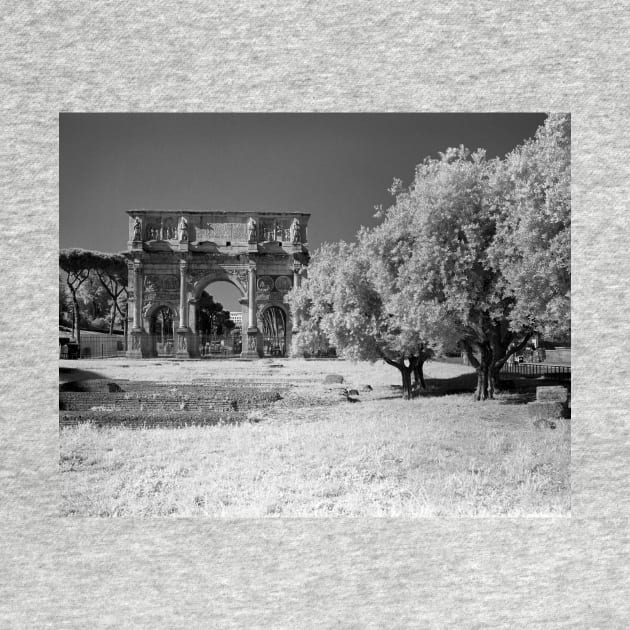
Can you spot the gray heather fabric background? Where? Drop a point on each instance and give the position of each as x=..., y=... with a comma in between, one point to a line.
x=332, y=56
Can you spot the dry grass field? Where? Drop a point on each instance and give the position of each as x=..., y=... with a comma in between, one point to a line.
x=315, y=454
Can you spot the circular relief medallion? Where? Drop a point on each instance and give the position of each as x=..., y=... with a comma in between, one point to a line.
x=151, y=283
x=265, y=284
x=283, y=283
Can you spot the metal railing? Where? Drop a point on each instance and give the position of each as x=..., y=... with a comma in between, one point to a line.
x=537, y=369
x=274, y=346
x=214, y=346
x=162, y=346
x=93, y=347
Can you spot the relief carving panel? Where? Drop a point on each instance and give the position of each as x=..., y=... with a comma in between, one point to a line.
x=161, y=229
x=283, y=283
x=275, y=230
x=265, y=284
x=170, y=283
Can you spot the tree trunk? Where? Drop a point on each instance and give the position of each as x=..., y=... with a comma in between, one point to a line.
x=492, y=356
x=405, y=372
x=481, y=393
x=501, y=340
x=481, y=374
x=76, y=324
x=494, y=379
x=482, y=365
x=418, y=375
x=406, y=380
x=112, y=319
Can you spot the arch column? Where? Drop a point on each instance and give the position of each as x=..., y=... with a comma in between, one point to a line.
x=251, y=345
x=184, y=341
x=193, y=337
x=192, y=314
x=297, y=271
x=137, y=293
x=293, y=323
x=297, y=282
x=138, y=334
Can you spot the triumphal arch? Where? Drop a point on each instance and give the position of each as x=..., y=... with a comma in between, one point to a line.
x=174, y=256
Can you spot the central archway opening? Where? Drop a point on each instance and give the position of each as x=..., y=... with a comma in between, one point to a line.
x=219, y=320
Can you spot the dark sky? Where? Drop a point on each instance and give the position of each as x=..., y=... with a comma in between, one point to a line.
x=335, y=166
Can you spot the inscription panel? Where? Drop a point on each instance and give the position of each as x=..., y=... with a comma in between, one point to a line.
x=233, y=232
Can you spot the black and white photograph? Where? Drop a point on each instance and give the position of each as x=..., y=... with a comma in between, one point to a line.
x=281, y=315
x=342, y=327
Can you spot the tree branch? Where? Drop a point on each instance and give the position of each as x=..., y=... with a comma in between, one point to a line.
x=469, y=353
x=518, y=347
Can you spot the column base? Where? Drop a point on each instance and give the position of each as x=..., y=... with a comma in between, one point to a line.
x=137, y=344
x=254, y=345
x=193, y=346
x=185, y=345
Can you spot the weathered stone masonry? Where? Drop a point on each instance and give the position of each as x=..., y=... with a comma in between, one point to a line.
x=174, y=255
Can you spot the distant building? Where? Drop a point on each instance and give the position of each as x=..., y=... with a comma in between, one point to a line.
x=237, y=318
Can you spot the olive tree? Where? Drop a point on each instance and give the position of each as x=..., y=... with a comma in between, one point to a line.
x=474, y=253
x=343, y=304
x=491, y=245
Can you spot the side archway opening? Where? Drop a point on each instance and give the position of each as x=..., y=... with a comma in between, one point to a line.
x=274, y=331
x=162, y=324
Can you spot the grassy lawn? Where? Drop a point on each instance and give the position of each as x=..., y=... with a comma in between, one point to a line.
x=437, y=455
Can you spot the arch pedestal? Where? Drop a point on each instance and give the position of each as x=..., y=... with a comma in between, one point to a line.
x=137, y=344
x=253, y=349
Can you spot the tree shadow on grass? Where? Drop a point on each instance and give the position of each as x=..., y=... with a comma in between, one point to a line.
x=462, y=384
x=398, y=395
x=515, y=391
x=70, y=379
